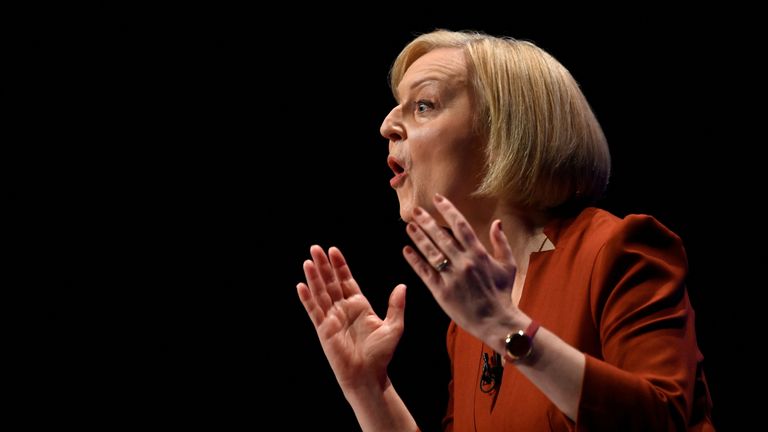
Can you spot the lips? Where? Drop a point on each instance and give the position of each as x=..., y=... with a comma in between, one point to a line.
x=397, y=167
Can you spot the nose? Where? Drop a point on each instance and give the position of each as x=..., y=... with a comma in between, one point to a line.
x=392, y=126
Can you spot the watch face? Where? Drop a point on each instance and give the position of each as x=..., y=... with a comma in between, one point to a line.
x=518, y=344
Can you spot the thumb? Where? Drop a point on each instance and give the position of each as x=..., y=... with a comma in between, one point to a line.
x=396, y=310
x=501, y=249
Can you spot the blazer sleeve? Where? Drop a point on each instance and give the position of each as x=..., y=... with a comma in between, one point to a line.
x=646, y=376
x=450, y=341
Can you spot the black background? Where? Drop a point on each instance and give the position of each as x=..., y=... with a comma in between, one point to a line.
x=170, y=170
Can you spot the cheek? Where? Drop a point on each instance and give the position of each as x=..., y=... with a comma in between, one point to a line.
x=443, y=154
x=427, y=153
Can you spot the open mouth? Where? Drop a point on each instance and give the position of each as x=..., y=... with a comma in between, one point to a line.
x=397, y=167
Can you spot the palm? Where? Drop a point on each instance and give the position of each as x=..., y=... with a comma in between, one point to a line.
x=355, y=339
x=358, y=343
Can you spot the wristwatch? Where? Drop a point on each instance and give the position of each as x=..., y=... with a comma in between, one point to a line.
x=519, y=345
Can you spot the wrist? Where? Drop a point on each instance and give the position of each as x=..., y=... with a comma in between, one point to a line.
x=366, y=388
x=495, y=336
x=380, y=408
x=519, y=344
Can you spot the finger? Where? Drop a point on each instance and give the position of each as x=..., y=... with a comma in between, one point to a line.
x=431, y=253
x=501, y=249
x=437, y=234
x=348, y=284
x=396, y=309
x=462, y=230
x=423, y=269
x=310, y=305
x=326, y=272
x=317, y=286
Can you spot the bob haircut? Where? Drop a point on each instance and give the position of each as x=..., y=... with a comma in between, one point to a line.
x=545, y=149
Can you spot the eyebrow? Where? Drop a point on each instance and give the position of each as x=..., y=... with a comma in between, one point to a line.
x=420, y=82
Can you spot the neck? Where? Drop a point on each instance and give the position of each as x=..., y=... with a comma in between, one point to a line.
x=524, y=230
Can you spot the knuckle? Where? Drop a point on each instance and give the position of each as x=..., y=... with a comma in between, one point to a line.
x=462, y=225
x=469, y=269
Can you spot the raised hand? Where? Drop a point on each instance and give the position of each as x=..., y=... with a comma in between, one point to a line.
x=357, y=343
x=473, y=287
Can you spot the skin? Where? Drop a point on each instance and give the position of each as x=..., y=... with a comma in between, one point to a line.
x=431, y=136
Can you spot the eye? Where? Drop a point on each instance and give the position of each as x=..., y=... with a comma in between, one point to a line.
x=423, y=106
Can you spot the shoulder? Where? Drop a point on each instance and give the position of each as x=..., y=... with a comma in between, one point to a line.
x=597, y=244
x=623, y=267
x=635, y=255
x=596, y=228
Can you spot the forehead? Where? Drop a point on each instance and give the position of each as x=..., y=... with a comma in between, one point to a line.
x=442, y=65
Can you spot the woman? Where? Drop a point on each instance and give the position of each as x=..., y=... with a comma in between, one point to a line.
x=564, y=317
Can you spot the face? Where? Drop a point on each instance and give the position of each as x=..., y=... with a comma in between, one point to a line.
x=433, y=147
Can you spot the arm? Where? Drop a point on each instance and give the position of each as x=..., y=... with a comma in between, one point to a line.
x=477, y=294
x=646, y=327
x=555, y=367
x=357, y=343
x=644, y=380
x=450, y=342
x=379, y=408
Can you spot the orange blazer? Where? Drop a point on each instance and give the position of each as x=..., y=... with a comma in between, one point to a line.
x=614, y=289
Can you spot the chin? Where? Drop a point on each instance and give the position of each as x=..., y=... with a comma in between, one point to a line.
x=406, y=214
x=406, y=207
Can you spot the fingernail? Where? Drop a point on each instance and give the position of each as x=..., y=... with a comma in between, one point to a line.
x=411, y=227
x=500, y=229
x=408, y=250
x=439, y=198
x=417, y=211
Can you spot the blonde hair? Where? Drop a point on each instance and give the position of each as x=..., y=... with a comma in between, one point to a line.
x=545, y=147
